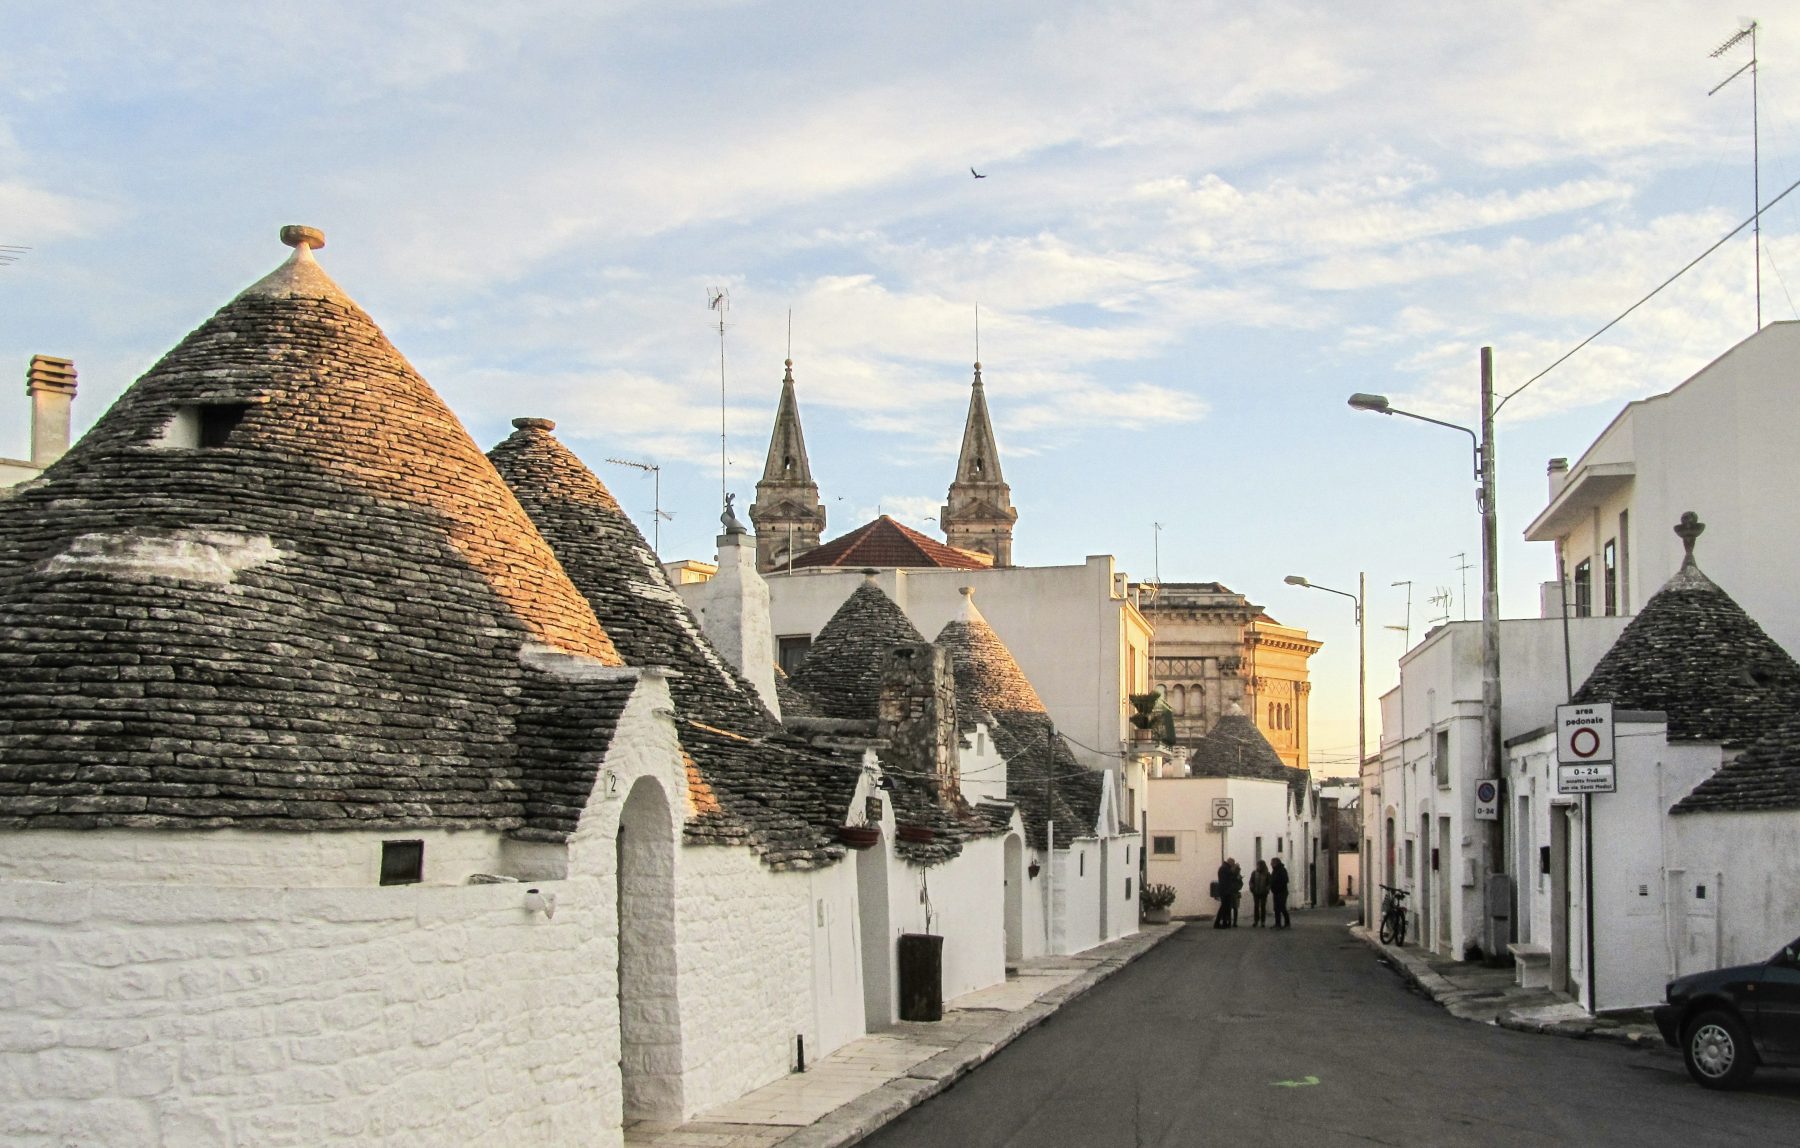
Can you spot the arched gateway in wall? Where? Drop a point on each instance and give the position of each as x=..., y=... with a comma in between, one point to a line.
x=649, y=1011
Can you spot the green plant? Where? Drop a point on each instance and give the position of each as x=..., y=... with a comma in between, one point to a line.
x=1157, y=896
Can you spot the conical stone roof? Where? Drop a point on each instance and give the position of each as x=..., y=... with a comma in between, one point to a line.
x=1042, y=777
x=841, y=673
x=751, y=783
x=327, y=615
x=1236, y=748
x=1694, y=654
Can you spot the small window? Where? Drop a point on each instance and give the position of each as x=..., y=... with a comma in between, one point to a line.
x=402, y=862
x=1584, y=588
x=1440, y=758
x=1278, y=845
x=201, y=425
x=1259, y=852
x=791, y=651
x=1161, y=846
x=1081, y=865
x=1609, y=566
x=1128, y=888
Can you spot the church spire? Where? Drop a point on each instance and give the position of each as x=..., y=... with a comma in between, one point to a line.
x=979, y=514
x=787, y=513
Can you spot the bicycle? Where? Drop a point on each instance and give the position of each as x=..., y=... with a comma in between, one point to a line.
x=1393, y=915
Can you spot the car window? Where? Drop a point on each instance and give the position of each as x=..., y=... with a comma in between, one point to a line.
x=1790, y=956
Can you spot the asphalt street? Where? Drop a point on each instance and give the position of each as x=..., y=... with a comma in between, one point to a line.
x=1303, y=1037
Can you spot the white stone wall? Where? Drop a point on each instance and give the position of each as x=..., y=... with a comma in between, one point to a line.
x=966, y=896
x=744, y=952
x=152, y=1015
x=242, y=857
x=1750, y=861
x=982, y=768
x=1181, y=807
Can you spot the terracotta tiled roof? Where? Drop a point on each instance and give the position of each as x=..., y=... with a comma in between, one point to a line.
x=751, y=782
x=991, y=687
x=334, y=614
x=884, y=543
x=1694, y=654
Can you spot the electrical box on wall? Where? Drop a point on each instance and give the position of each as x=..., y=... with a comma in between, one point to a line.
x=1468, y=881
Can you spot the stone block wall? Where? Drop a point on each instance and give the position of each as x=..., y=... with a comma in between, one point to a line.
x=153, y=1015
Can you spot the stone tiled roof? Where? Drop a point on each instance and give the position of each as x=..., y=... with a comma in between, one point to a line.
x=841, y=672
x=886, y=543
x=1694, y=654
x=793, y=703
x=751, y=782
x=1766, y=776
x=336, y=617
x=1043, y=778
x=1236, y=748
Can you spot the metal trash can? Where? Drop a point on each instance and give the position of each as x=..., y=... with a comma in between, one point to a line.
x=921, y=976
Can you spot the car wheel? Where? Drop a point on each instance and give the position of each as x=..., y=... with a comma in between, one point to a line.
x=1717, y=1050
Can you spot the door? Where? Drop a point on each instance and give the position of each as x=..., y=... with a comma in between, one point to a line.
x=1559, y=899
x=1445, y=863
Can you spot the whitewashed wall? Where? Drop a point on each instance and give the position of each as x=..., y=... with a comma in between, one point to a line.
x=966, y=897
x=1751, y=864
x=1182, y=807
x=155, y=1014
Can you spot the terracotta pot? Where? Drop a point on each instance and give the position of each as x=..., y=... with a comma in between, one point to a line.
x=918, y=834
x=1156, y=916
x=859, y=836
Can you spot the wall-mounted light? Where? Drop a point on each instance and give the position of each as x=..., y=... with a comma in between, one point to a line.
x=537, y=901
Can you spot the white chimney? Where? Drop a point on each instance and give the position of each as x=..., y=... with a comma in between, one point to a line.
x=51, y=384
x=733, y=607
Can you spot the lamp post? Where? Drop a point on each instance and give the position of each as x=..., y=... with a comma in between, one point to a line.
x=1362, y=686
x=1490, y=587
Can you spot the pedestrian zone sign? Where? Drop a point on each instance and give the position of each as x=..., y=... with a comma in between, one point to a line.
x=1584, y=734
x=1221, y=811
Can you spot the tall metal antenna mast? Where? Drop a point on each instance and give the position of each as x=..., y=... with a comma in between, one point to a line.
x=1156, y=551
x=1441, y=600
x=1406, y=630
x=11, y=253
x=656, y=514
x=1463, y=567
x=978, y=332
x=1749, y=33
x=719, y=299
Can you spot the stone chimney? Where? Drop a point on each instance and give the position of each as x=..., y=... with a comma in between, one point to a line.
x=918, y=715
x=1559, y=474
x=733, y=607
x=51, y=384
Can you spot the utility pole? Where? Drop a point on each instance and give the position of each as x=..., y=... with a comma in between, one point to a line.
x=1492, y=750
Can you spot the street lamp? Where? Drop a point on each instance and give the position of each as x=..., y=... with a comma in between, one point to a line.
x=1362, y=684
x=1490, y=580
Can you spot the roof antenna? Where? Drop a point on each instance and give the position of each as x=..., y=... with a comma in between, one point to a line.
x=1748, y=32
x=978, y=332
x=719, y=299
x=658, y=514
x=790, y=349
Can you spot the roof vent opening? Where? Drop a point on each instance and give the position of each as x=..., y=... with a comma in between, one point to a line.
x=199, y=426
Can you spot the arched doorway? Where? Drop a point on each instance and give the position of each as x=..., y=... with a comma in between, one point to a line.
x=649, y=1017
x=877, y=939
x=1015, y=899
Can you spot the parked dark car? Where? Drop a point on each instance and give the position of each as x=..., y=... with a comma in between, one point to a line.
x=1728, y=1021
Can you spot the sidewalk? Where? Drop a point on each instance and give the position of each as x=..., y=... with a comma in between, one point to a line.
x=868, y=1082
x=1472, y=991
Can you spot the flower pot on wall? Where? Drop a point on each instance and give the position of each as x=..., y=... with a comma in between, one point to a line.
x=859, y=836
x=1156, y=916
x=918, y=834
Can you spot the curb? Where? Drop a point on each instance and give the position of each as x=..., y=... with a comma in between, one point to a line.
x=873, y=1110
x=1434, y=985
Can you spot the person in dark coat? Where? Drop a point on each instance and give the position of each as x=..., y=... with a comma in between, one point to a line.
x=1278, y=885
x=1236, y=890
x=1259, y=894
x=1222, y=890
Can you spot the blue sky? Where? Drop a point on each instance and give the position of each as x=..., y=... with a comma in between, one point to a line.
x=1204, y=225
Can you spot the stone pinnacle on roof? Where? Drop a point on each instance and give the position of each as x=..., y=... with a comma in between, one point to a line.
x=978, y=514
x=786, y=513
x=1695, y=655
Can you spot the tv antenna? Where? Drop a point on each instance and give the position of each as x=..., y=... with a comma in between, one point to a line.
x=719, y=299
x=1463, y=568
x=1748, y=32
x=1441, y=600
x=11, y=253
x=657, y=515
x=1156, y=551
x=1405, y=630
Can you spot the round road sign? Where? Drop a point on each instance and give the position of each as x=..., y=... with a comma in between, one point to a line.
x=1487, y=791
x=1584, y=742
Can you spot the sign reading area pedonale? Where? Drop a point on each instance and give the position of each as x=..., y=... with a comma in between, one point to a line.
x=1584, y=748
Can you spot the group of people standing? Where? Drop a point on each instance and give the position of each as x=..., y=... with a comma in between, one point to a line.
x=1264, y=881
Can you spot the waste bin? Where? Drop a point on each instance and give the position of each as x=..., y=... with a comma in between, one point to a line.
x=921, y=976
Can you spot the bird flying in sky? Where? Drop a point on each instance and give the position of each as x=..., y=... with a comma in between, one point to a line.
x=976, y=174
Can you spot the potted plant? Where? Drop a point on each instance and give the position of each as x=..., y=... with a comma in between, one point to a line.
x=917, y=834
x=859, y=836
x=1155, y=901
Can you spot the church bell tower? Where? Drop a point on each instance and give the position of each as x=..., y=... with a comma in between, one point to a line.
x=979, y=513
x=787, y=513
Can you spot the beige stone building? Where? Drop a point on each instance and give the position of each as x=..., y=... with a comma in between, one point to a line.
x=1214, y=649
